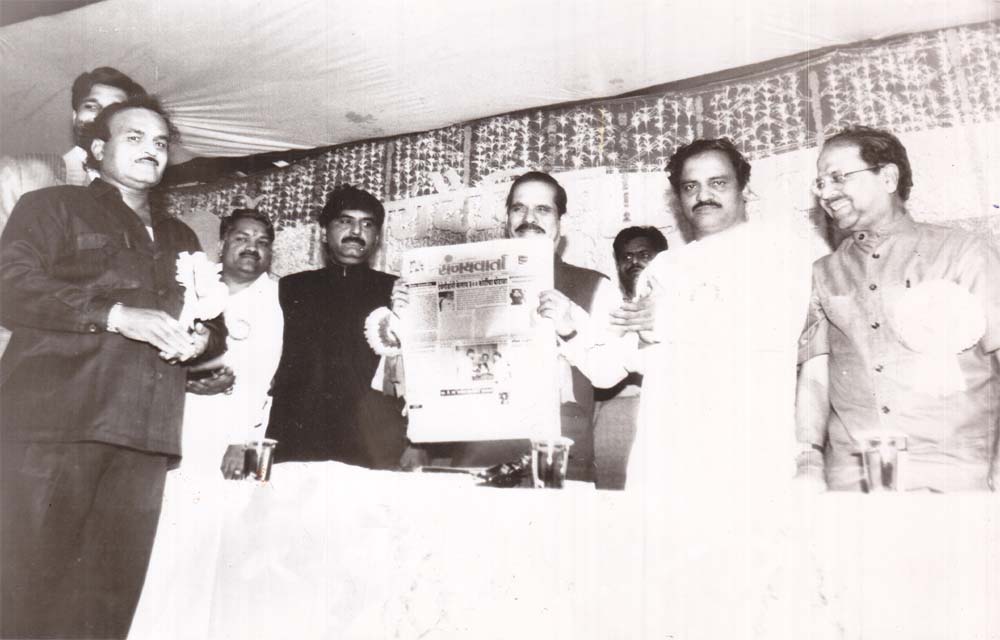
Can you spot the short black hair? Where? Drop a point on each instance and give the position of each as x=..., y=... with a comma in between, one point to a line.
x=539, y=176
x=229, y=221
x=103, y=75
x=348, y=198
x=676, y=164
x=628, y=234
x=878, y=147
x=100, y=128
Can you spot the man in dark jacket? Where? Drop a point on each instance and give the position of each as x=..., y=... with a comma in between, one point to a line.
x=324, y=407
x=91, y=395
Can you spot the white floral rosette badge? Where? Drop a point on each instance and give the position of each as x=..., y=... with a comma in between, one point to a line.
x=937, y=319
x=205, y=293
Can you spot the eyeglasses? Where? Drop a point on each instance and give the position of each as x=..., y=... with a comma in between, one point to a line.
x=837, y=179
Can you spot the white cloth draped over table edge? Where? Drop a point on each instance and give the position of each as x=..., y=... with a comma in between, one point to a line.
x=195, y=496
x=329, y=550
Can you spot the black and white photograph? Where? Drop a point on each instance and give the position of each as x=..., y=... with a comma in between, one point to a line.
x=761, y=395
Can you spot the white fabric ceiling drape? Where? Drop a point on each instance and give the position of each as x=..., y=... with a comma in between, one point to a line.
x=254, y=76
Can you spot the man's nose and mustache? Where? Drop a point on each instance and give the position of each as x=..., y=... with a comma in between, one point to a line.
x=149, y=158
x=250, y=253
x=355, y=240
x=525, y=227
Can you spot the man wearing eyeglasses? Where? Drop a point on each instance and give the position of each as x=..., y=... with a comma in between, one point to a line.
x=902, y=333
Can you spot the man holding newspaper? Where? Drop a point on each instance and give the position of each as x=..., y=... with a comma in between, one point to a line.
x=535, y=205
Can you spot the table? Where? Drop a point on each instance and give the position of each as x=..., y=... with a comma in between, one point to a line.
x=330, y=551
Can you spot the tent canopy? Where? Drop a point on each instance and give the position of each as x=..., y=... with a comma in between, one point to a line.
x=254, y=76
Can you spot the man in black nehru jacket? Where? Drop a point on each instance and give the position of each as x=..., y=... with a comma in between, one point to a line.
x=324, y=407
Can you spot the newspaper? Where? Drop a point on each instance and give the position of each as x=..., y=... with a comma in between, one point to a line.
x=480, y=361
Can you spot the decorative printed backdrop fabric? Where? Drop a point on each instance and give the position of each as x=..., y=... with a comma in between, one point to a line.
x=940, y=91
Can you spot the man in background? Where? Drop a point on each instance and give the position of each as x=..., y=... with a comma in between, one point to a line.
x=635, y=248
x=92, y=394
x=92, y=91
x=324, y=407
x=908, y=316
x=617, y=408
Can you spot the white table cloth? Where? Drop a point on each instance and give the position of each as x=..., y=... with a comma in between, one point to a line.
x=330, y=551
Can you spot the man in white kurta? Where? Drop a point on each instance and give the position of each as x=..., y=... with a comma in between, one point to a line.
x=214, y=421
x=729, y=307
x=230, y=409
x=239, y=415
x=719, y=320
x=714, y=455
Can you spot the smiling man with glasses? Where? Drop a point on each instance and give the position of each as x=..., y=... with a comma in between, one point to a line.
x=902, y=334
x=836, y=179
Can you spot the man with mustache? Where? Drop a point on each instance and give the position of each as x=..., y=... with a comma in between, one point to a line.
x=324, y=407
x=536, y=203
x=719, y=318
x=92, y=395
x=714, y=455
x=903, y=332
x=222, y=410
x=617, y=408
x=635, y=248
x=230, y=394
x=92, y=91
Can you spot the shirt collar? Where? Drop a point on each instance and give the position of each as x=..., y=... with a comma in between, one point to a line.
x=869, y=239
x=77, y=153
x=102, y=190
x=338, y=270
x=721, y=237
x=255, y=287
